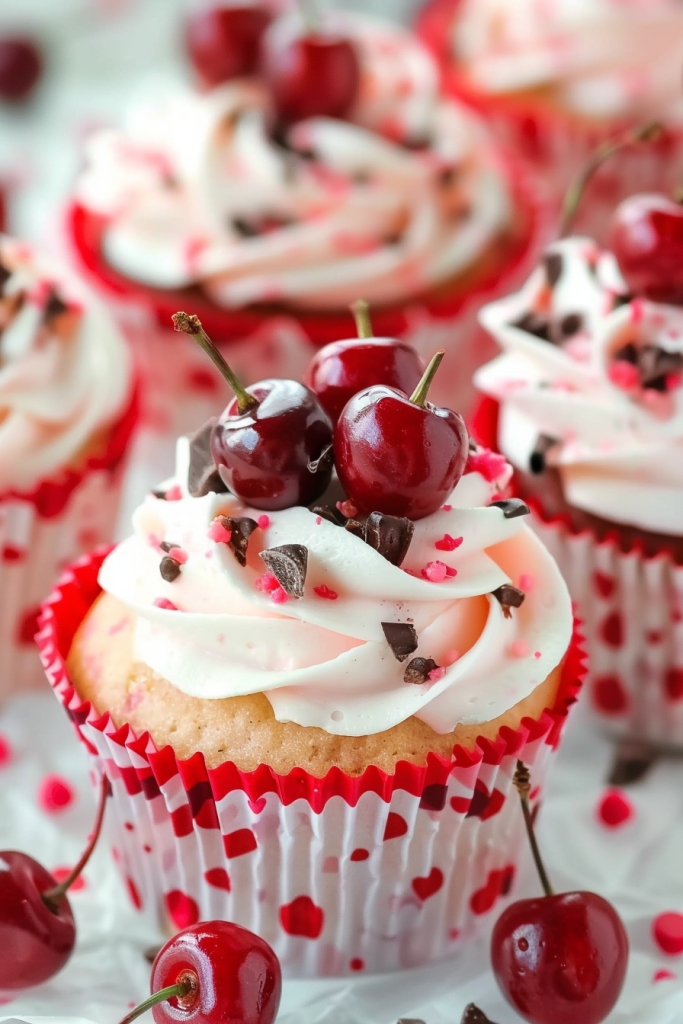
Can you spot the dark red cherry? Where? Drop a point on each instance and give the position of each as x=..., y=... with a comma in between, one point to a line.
x=214, y=973
x=646, y=236
x=21, y=65
x=272, y=444
x=343, y=368
x=224, y=42
x=399, y=455
x=311, y=74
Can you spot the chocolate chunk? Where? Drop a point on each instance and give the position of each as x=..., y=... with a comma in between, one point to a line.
x=244, y=227
x=655, y=364
x=509, y=597
x=54, y=307
x=161, y=495
x=166, y=545
x=473, y=1015
x=169, y=569
x=622, y=300
x=356, y=528
x=390, y=535
x=418, y=670
x=537, y=458
x=628, y=353
x=534, y=323
x=203, y=477
x=288, y=564
x=570, y=324
x=401, y=637
x=632, y=761
x=5, y=275
x=324, y=462
x=511, y=507
x=241, y=530
x=553, y=262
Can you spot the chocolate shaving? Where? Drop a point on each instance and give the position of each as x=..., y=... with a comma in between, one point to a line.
x=161, y=495
x=389, y=535
x=473, y=1015
x=509, y=597
x=418, y=670
x=54, y=306
x=401, y=637
x=570, y=324
x=533, y=323
x=241, y=530
x=553, y=263
x=356, y=528
x=169, y=569
x=166, y=545
x=324, y=462
x=288, y=564
x=537, y=460
x=202, y=476
x=511, y=507
x=628, y=353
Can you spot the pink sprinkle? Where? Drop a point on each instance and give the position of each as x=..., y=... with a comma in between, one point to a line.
x=5, y=751
x=450, y=571
x=448, y=543
x=623, y=375
x=55, y=794
x=637, y=311
x=326, y=592
x=435, y=571
x=437, y=673
x=178, y=555
x=347, y=508
x=659, y=405
x=278, y=596
x=488, y=464
x=518, y=649
x=537, y=654
x=264, y=522
x=667, y=931
x=527, y=582
x=174, y=493
x=451, y=657
x=153, y=540
x=663, y=975
x=267, y=583
x=446, y=508
x=218, y=533
x=163, y=602
x=673, y=381
x=318, y=520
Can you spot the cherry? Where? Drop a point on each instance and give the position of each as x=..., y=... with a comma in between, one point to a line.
x=343, y=368
x=561, y=957
x=273, y=443
x=214, y=973
x=37, y=927
x=224, y=42
x=646, y=236
x=21, y=65
x=311, y=73
x=398, y=455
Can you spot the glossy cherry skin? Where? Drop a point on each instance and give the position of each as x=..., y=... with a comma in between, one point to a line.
x=238, y=977
x=224, y=42
x=340, y=370
x=560, y=959
x=21, y=65
x=396, y=457
x=313, y=75
x=263, y=455
x=36, y=941
x=646, y=236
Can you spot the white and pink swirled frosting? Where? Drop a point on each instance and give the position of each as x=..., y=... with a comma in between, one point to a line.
x=219, y=629
x=601, y=58
x=405, y=194
x=65, y=372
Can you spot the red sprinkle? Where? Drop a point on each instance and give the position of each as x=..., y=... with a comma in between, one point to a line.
x=178, y=555
x=59, y=874
x=218, y=533
x=267, y=583
x=537, y=654
x=55, y=794
x=437, y=673
x=664, y=975
x=318, y=520
x=448, y=543
x=163, y=602
x=435, y=571
x=347, y=508
x=446, y=508
x=615, y=808
x=5, y=751
x=326, y=592
x=174, y=493
x=450, y=571
x=624, y=375
x=264, y=522
x=667, y=931
x=527, y=582
x=487, y=463
x=278, y=596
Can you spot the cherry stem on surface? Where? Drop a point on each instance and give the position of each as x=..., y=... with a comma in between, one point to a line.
x=361, y=314
x=522, y=781
x=645, y=133
x=53, y=897
x=179, y=990
x=419, y=395
x=192, y=325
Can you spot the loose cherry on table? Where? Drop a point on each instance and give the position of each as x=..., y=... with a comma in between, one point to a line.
x=37, y=927
x=272, y=444
x=21, y=65
x=646, y=237
x=343, y=368
x=561, y=958
x=214, y=973
x=224, y=42
x=399, y=455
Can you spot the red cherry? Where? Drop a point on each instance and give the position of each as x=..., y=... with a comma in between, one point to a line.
x=646, y=236
x=225, y=42
x=312, y=74
x=343, y=368
x=214, y=973
x=269, y=438
x=398, y=455
x=21, y=64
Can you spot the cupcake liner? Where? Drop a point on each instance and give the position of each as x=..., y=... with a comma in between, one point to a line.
x=41, y=533
x=340, y=874
x=632, y=607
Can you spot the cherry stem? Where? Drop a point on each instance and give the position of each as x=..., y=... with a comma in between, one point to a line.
x=180, y=990
x=419, y=395
x=522, y=781
x=53, y=897
x=646, y=133
x=192, y=325
x=361, y=314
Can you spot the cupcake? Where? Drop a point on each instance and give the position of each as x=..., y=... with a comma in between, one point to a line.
x=311, y=718
x=558, y=79
x=586, y=403
x=67, y=413
x=270, y=232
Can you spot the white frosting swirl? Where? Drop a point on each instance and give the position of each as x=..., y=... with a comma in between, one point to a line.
x=65, y=371
x=620, y=441
x=196, y=192
x=325, y=662
x=601, y=58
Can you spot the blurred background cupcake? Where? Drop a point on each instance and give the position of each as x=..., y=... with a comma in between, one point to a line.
x=67, y=412
x=557, y=79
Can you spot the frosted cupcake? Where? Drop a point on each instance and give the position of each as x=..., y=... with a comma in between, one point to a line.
x=311, y=718
x=588, y=407
x=559, y=78
x=66, y=416
x=197, y=202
